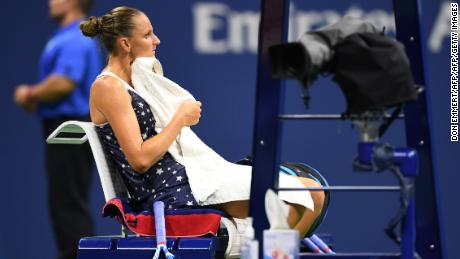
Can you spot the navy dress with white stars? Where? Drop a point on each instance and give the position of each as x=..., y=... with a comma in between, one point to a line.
x=165, y=181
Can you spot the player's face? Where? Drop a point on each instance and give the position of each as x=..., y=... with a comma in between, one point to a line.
x=143, y=40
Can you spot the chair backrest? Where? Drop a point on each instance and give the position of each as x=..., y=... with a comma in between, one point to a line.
x=111, y=181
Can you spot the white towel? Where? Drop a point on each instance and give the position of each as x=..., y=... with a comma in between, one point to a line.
x=212, y=179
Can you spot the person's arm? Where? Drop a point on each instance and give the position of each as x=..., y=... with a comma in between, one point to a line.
x=68, y=71
x=52, y=89
x=112, y=100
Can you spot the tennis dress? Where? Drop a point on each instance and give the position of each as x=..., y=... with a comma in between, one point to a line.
x=168, y=181
x=165, y=181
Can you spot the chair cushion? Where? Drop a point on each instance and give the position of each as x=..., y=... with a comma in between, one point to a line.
x=179, y=222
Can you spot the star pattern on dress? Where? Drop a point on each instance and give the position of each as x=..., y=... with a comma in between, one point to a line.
x=159, y=182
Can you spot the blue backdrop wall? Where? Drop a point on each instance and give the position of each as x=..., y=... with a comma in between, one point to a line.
x=209, y=47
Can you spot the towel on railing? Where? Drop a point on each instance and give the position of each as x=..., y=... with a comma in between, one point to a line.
x=212, y=179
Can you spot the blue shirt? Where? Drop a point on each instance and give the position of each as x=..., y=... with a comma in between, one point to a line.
x=69, y=53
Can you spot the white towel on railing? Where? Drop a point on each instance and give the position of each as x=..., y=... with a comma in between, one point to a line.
x=212, y=179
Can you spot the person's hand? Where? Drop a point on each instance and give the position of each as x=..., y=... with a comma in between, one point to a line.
x=189, y=112
x=21, y=95
x=22, y=98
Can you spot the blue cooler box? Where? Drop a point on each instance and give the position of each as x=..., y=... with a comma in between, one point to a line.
x=115, y=247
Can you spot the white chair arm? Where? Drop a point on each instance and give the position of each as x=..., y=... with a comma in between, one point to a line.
x=69, y=127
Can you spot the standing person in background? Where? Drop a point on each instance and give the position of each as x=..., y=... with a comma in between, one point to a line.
x=69, y=64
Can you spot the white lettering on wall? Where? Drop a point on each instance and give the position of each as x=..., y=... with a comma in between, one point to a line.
x=242, y=28
x=219, y=30
x=208, y=18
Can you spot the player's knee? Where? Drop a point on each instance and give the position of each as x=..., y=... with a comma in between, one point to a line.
x=318, y=198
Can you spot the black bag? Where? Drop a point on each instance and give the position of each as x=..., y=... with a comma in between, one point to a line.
x=373, y=71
